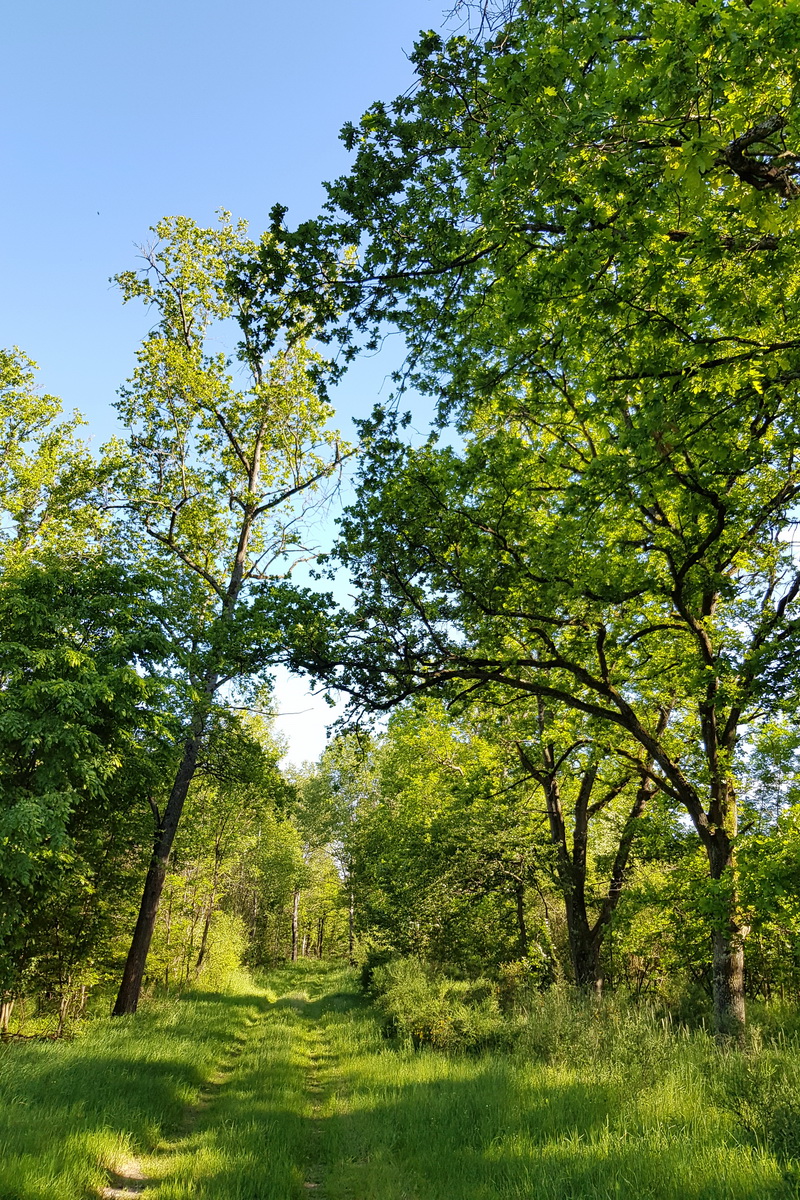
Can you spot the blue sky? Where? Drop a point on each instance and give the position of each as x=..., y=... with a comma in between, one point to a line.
x=116, y=114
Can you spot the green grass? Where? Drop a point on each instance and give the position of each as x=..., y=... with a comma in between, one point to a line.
x=257, y=1094
x=71, y=1109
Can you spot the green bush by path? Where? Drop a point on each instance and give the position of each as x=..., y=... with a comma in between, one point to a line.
x=423, y=1007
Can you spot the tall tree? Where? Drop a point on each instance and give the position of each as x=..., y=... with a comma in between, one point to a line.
x=584, y=227
x=225, y=458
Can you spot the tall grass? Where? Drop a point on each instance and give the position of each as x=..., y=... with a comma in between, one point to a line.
x=291, y=1088
x=593, y=1102
x=71, y=1111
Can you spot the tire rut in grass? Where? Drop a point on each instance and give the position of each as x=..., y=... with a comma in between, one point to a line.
x=217, y=1081
x=315, y=1169
x=129, y=1180
x=317, y=1087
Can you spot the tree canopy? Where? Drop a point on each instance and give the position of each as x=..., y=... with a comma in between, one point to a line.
x=584, y=229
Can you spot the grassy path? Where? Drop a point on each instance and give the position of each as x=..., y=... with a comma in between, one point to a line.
x=289, y=1090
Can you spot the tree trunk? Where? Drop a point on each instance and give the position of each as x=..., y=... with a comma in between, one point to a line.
x=63, y=1012
x=585, y=950
x=212, y=899
x=6, y=1008
x=728, y=966
x=522, y=928
x=350, y=932
x=204, y=937
x=295, y=914
x=131, y=985
x=727, y=944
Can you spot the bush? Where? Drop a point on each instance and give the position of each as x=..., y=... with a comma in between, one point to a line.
x=424, y=1008
x=762, y=1089
x=372, y=960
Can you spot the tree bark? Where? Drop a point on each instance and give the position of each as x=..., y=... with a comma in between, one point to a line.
x=6, y=1008
x=727, y=944
x=131, y=985
x=728, y=983
x=585, y=948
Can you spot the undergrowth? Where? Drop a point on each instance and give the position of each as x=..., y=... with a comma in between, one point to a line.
x=618, y=1043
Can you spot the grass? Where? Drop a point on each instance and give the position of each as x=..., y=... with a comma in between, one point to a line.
x=70, y=1110
x=289, y=1089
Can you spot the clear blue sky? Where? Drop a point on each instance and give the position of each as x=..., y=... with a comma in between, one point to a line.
x=116, y=114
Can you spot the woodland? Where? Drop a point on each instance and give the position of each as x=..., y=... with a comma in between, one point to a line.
x=563, y=603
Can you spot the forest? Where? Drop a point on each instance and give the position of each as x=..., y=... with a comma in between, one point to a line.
x=555, y=575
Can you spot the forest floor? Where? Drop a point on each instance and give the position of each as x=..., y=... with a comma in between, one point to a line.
x=289, y=1089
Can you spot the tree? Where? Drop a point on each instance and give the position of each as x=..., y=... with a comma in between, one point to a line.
x=218, y=474
x=49, y=483
x=626, y=598
x=84, y=729
x=584, y=229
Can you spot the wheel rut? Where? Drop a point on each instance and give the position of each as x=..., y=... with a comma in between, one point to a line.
x=129, y=1179
x=316, y=1090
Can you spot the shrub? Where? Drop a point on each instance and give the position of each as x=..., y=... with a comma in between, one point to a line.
x=762, y=1089
x=373, y=959
x=424, y=1008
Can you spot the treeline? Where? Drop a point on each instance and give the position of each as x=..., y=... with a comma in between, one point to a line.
x=455, y=859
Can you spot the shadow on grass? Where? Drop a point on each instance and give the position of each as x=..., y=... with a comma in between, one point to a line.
x=445, y=1129
x=425, y=1126
x=127, y=1079
x=375, y=1123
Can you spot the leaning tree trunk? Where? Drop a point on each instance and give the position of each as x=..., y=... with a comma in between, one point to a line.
x=131, y=985
x=201, y=956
